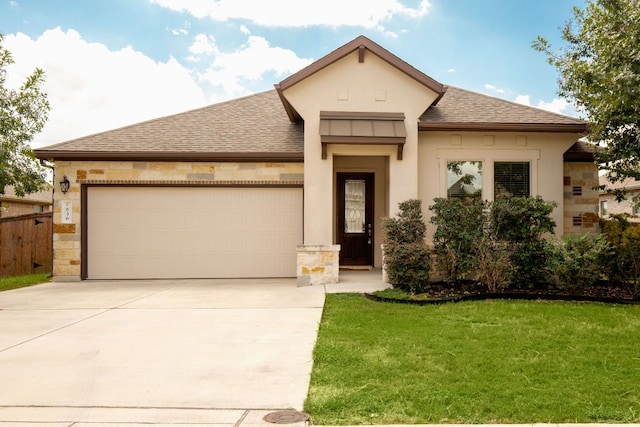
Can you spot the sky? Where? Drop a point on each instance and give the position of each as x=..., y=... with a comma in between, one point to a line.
x=111, y=63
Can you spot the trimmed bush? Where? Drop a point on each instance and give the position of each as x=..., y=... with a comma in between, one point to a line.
x=580, y=261
x=473, y=239
x=523, y=222
x=406, y=255
x=459, y=225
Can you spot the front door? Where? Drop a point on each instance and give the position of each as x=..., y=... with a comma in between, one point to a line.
x=355, y=218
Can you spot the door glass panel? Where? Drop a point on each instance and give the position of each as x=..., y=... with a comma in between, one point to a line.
x=354, y=203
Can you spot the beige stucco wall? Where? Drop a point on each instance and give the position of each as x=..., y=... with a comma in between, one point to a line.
x=543, y=150
x=348, y=85
x=67, y=237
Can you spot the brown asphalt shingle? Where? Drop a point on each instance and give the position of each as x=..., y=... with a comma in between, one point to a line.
x=258, y=124
x=252, y=124
x=464, y=106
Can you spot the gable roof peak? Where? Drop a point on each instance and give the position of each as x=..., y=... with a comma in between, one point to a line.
x=360, y=44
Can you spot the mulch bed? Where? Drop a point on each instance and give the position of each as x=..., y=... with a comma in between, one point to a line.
x=471, y=291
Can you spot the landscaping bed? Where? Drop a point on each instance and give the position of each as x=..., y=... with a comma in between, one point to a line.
x=472, y=291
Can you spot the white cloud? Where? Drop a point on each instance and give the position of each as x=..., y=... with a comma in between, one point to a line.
x=558, y=105
x=92, y=88
x=451, y=70
x=248, y=64
x=203, y=45
x=493, y=88
x=295, y=13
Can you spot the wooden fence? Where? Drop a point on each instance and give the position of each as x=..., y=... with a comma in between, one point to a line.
x=26, y=244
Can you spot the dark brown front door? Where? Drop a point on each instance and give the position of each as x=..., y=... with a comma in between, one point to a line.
x=355, y=218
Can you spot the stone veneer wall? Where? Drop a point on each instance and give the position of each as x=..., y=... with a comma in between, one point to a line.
x=580, y=211
x=66, y=236
x=318, y=264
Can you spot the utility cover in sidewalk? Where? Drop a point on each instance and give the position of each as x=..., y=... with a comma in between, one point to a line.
x=286, y=417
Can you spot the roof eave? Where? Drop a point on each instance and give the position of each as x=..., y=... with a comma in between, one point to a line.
x=504, y=127
x=294, y=116
x=166, y=156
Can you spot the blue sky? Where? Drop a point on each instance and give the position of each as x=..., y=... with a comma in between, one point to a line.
x=110, y=63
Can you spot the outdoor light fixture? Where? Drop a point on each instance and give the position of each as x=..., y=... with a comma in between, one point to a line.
x=64, y=185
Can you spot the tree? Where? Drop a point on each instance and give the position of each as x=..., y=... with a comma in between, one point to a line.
x=23, y=113
x=600, y=72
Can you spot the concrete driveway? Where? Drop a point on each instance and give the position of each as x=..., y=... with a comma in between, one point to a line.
x=164, y=352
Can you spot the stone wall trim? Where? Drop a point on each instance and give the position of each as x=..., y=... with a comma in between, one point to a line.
x=191, y=183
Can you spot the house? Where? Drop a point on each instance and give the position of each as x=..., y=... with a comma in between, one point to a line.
x=12, y=205
x=610, y=206
x=294, y=182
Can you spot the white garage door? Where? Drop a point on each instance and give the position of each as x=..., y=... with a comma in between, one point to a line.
x=186, y=232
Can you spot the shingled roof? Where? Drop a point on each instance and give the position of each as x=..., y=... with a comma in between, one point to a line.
x=254, y=127
x=460, y=109
x=257, y=128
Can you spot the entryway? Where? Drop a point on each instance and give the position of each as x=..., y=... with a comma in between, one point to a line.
x=360, y=204
x=355, y=202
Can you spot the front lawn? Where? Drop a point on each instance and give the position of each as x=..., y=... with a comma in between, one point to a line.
x=475, y=362
x=8, y=283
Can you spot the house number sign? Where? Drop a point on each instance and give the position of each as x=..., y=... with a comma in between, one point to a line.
x=67, y=211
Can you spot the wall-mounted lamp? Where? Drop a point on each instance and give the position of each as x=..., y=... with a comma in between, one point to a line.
x=64, y=185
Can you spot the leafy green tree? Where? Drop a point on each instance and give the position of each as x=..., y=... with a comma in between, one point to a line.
x=23, y=113
x=600, y=72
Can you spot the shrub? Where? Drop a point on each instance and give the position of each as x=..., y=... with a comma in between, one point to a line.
x=624, y=265
x=494, y=265
x=459, y=225
x=630, y=251
x=523, y=222
x=579, y=261
x=406, y=254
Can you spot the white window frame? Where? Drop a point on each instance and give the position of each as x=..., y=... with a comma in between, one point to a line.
x=488, y=158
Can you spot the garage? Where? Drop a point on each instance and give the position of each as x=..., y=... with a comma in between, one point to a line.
x=192, y=232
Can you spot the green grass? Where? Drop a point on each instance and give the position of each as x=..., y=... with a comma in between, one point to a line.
x=8, y=283
x=475, y=362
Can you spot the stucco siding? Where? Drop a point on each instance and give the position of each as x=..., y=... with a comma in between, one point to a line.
x=349, y=85
x=542, y=150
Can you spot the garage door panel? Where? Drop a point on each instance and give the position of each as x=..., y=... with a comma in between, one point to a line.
x=184, y=232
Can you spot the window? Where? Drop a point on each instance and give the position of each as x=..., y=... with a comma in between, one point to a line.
x=604, y=208
x=354, y=205
x=464, y=179
x=636, y=208
x=511, y=179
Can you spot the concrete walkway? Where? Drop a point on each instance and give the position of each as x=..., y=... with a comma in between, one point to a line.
x=185, y=352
